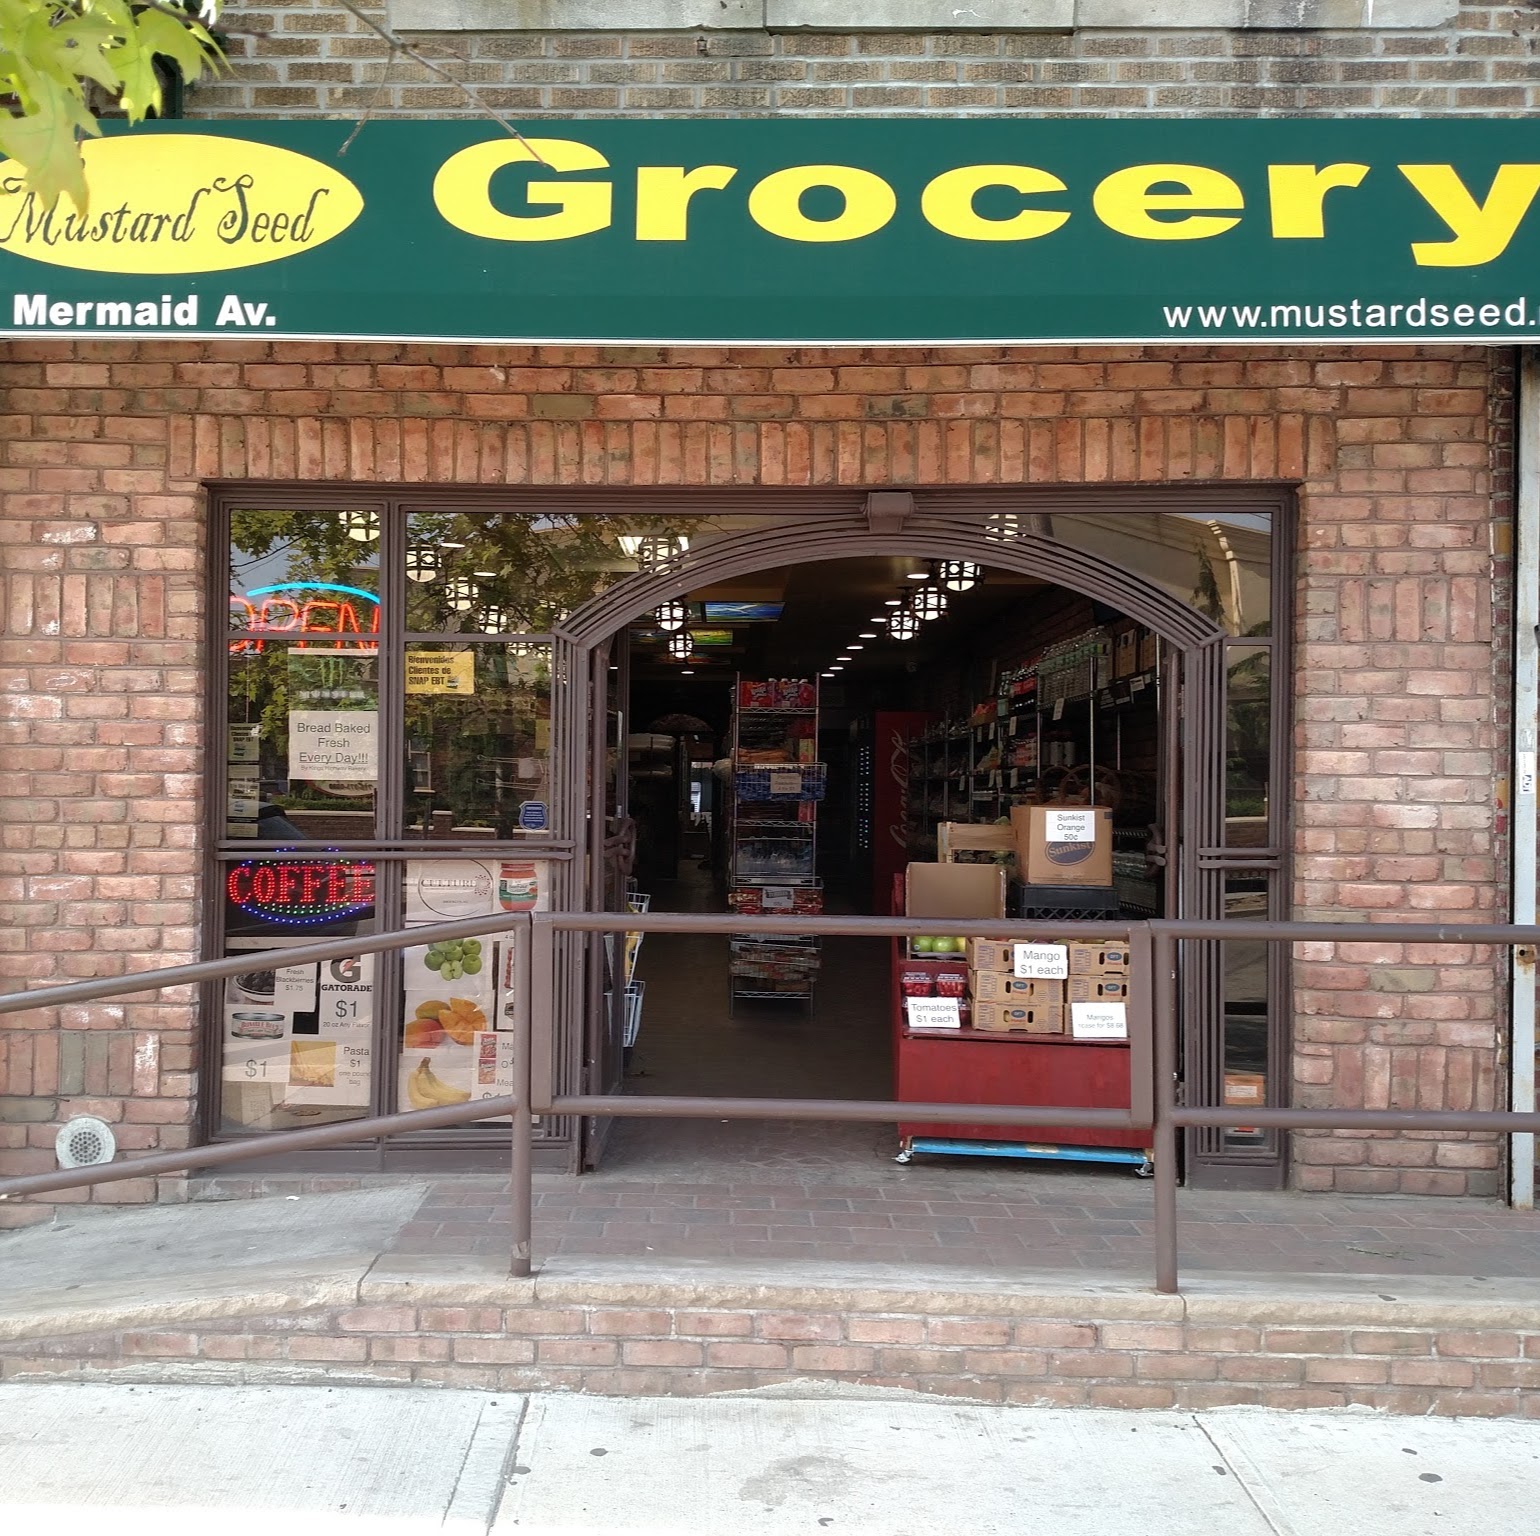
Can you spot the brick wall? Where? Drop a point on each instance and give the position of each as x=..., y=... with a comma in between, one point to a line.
x=308, y=56
x=1158, y=1353
x=104, y=445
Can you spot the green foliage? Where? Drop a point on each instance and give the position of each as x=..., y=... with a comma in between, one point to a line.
x=53, y=51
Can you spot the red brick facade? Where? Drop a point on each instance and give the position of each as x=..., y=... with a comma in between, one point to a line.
x=1402, y=456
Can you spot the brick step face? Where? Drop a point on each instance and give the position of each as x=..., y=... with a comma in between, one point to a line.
x=682, y=1351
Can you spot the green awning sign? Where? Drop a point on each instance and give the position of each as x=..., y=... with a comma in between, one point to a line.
x=827, y=231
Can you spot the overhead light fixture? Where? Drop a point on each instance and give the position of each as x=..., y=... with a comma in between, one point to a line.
x=870, y=634
x=671, y=615
x=687, y=671
x=460, y=593
x=650, y=549
x=680, y=647
x=422, y=562
x=903, y=626
x=892, y=602
x=362, y=526
x=855, y=647
x=844, y=658
x=928, y=603
x=1002, y=526
x=959, y=575
x=494, y=616
x=916, y=575
x=833, y=670
x=826, y=674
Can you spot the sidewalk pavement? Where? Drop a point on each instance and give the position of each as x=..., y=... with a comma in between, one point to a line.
x=309, y=1461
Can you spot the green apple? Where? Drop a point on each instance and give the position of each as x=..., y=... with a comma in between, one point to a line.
x=944, y=946
x=925, y=945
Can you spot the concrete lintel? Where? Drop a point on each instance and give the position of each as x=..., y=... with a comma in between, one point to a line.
x=921, y=16
x=576, y=15
x=914, y=15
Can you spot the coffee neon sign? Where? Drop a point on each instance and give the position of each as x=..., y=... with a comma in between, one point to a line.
x=301, y=890
x=307, y=608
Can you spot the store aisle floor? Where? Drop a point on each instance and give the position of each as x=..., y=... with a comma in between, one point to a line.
x=690, y=1043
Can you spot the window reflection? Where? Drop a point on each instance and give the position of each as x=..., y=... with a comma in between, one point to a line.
x=1245, y=968
x=312, y=571
x=1218, y=563
x=487, y=573
x=1248, y=759
x=478, y=739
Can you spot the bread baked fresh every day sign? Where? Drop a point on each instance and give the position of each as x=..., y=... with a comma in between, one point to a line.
x=816, y=231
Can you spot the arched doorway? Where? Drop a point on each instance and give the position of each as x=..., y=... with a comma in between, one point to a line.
x=1192, y=841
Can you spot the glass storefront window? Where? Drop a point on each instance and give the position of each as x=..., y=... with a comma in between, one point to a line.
x=302, y=728
x=478, y=739
x=297, y=1042
x=1248, y=740
x=1244, y=965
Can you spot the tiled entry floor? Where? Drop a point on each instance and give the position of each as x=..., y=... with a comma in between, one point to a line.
x=745, y=1190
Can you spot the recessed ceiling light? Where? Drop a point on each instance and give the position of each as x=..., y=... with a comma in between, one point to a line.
x=916, y=575
x=836, y=669
x=826, y=674
x=844, y=658
x=893, y=602
x=687, y=672
x=868, y=634
x=855, y=647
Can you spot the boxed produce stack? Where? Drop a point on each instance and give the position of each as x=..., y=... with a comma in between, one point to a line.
x=1097, y=990
x=1006, y=1001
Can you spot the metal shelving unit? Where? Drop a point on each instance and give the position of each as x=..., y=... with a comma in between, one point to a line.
x=773, y=836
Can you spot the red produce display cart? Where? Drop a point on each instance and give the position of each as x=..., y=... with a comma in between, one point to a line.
x=972, y=1066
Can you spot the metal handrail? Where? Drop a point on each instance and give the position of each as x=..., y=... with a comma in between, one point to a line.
x=1152, y=1038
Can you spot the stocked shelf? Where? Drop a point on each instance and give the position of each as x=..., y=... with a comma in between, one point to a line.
x=1053, y=733
x=773, y=836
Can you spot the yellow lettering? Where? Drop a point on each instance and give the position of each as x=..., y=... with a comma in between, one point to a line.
x=663, y=194
x=947, y=203
x=1298, y=192
x=1125, y=200
x=775, y=204
x=1481, y=230
x=462, y=190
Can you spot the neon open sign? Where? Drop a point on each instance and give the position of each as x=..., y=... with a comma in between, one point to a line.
x=301, y=890
x=307, y=608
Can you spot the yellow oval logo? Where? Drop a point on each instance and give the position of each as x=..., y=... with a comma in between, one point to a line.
x=168, y=203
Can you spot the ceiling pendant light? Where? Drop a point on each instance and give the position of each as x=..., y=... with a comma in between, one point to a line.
x=361, y=526
x=652, y=549
x=671, y=615
x=903, y=626
x=959, y=575
x=1002, y=527
x=680, y=647
x=423, y=562
x=927, y=603
x=460, y=593
x=494, y=617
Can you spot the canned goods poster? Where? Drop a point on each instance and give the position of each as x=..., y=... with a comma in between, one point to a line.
x=305, y=1031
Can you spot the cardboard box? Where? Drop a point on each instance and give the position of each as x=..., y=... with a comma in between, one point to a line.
x=1063, y=844
x=1248, y=1090
x=1010, y=1018
x=999, y=987
x=1149, y=652
x=992, y=955
x=1098, y=957
x=954, y=893
x=1097, y=989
